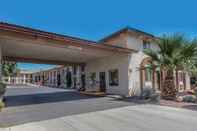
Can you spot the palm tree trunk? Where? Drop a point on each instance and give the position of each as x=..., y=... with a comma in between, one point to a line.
x=161, y=79
x=168, y=90
x=153, y=79
x=177, y=81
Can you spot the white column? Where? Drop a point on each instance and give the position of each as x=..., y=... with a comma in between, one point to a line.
x=24, y=79
x=52, y=78
x=71, y=69
x=65, y=75
x=78, y=77
x=16, y=80
x=187, y=81
x=74, y=76
x=9, y=82
x=83, y=78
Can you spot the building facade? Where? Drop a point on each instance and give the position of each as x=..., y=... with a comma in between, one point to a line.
x=128, y=74
x=115, y=64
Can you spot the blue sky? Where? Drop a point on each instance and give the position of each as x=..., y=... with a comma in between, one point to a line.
x=94, y=19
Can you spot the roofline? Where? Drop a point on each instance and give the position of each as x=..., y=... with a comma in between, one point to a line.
x=126, y=29
x=43, y=32
x=58, y=37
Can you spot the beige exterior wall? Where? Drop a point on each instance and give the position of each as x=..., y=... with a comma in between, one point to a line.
x=128, y=66
x=136, y=59
x=119, y=40
x=117, y=61
x=131, y=64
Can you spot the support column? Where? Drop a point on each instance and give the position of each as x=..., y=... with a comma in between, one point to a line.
x=65, y=77
x=9, y=80
x=24, y=79
x=78, y=77
x=74, y=76
x=83, y=79
x=187, y=81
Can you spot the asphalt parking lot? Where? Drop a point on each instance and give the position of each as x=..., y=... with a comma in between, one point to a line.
x=28, y=104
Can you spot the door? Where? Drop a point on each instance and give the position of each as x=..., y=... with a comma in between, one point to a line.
x=102, y=81
x=69, y=79
x=58, y=79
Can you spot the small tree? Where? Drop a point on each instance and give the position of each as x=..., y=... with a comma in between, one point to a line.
x=9, y=69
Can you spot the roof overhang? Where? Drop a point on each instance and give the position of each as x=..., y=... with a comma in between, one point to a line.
x=30, y=45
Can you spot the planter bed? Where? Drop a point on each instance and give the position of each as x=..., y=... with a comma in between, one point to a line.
x=93, y=93
x=185, y=105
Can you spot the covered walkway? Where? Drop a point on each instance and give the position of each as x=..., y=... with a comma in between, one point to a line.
x=22, y=44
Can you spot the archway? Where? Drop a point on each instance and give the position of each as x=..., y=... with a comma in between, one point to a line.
x=149, y=77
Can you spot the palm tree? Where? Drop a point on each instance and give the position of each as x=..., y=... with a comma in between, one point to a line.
x=175, y=53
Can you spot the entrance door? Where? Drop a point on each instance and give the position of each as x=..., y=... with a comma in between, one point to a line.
x=102, y=81
x=69, y=79
x=58, y=79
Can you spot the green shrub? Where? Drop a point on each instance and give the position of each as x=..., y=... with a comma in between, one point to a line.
x=195, y=90
x=2, y=88
x=189, y=98
x=147, y=93
x=2, y=105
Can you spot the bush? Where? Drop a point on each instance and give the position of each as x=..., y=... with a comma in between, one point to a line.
x=147, y=93
x=195, y=92
x=189, y=98
x=2, y=105
x=2, y=88
x=151, y=95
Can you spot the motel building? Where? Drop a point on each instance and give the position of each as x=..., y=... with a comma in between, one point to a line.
x=58, y=77
x=116, y=64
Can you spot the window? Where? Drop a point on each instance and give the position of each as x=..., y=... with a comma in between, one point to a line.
x=146, y=44
x=92, y=78
x=148, y=74
x=113, y=78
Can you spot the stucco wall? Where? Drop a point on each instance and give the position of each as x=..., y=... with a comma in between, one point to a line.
x=120, y=40
x=133, y=60
x=117, y=61
x=128, y=65
x=134, y=65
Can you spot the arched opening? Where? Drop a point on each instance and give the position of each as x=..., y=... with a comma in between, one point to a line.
x=149, y=77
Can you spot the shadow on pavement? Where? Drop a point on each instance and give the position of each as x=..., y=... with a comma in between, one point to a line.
x=30, y=105
x=30, y=99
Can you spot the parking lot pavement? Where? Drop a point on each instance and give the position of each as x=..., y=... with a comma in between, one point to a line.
x=30, y=104
x=131, y=118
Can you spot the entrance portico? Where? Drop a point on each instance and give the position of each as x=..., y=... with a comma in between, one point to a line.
x=23, y=44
